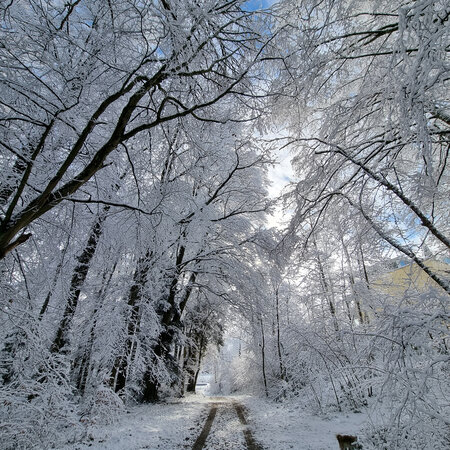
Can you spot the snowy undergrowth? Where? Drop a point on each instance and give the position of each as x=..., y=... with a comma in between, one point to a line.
x=288, y=425
x=171, y=425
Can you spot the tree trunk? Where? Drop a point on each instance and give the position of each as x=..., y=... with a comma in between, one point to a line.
x=7, y=189
x=191, y=370
x=200, y=358
x=78, y=279
x=351, y=277
x=120, y=369
x=171, y=325
x=263, y=357
x=280, y=358
x=194, y=361
x=50, y=292
x=326, y=289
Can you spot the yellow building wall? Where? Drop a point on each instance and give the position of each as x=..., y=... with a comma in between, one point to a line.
x=410, y=277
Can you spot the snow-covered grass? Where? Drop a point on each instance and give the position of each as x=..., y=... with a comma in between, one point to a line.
x=282, y=426
x=172, y=425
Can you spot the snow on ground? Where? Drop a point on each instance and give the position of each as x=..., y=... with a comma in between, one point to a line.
x=172, y=425
x=283, y=426
x=177, y=424
x=226, y=431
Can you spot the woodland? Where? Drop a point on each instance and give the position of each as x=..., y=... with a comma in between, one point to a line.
x=137, y=139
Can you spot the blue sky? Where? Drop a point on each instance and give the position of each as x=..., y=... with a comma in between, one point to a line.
x=253, y=5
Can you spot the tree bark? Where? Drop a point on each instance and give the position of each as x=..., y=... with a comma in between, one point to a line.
x=351, y=276
x=194, y=361
x=171, y=325
x=78, y=279
x=6, y=190
x=326, y=288
x=280, y=358
x=119, y=371
x=263, y=357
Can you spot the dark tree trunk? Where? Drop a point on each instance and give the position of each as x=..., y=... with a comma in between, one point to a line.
x=366, y=277
x=151, y=384
x=7, y=189
x=191, y=364
x=49, y=294
x=12, y=344
x=263, y=357
x=351, y=277
x=120, y=368
x=57, y=272
x=171, y=325
x=78, y=279
x=192, y=381
x=280, y=357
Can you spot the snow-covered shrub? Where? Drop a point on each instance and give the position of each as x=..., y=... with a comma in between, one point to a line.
x=37, y=405
x=412, y=407
x=245, y=374
x=37, y=415
x=38, y=409
x=101, y=406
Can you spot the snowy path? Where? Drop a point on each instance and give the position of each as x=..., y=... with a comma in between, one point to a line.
x=199, y=422
x=229, y=431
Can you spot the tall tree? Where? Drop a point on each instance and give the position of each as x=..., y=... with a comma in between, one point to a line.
x=107, y=74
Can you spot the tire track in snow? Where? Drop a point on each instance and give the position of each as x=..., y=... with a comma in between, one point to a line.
x=251, y=444
x=217, y=440
x=200, y=442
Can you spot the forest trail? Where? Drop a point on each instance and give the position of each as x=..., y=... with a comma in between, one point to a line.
x=202, y=422
x=231, y=428
x=195, y=422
